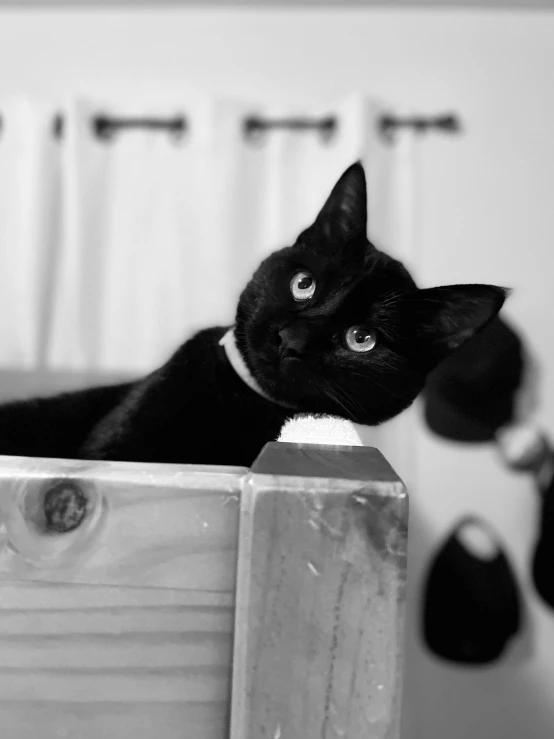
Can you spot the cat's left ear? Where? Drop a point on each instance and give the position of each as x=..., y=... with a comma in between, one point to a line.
x=446, y=317
x=343, y=218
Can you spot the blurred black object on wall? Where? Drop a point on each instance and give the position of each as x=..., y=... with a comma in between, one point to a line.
x=473, y=393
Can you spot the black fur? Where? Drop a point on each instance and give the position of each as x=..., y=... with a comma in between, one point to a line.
x=195, y=409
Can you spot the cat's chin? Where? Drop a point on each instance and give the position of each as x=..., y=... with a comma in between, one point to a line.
x=289, y=364
x=287, y=380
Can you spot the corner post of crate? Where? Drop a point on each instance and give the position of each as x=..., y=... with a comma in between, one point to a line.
x=320, y=596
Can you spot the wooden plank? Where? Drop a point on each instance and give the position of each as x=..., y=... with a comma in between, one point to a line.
x=114, y=721
x=320, y=596
x=123, y=626
x=146, y=525
x=94, y=661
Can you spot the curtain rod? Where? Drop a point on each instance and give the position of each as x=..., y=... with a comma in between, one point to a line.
x=105, y=127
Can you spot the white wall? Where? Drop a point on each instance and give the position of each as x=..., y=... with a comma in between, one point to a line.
x=486, y=213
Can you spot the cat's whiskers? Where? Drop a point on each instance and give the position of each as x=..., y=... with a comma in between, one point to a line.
x=339, y=396
x=370, y=379
x=335, y=399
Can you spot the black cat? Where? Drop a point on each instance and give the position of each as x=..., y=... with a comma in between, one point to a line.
x=329, y=325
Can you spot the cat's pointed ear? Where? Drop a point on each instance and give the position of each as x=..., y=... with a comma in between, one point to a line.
x=446, y=317
x=344, y=215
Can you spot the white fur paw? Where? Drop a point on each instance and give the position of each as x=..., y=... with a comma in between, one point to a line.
x=328, y=430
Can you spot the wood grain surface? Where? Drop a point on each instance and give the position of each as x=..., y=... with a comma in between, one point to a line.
x=320, y=596
x=124, y=626
x=122, y=629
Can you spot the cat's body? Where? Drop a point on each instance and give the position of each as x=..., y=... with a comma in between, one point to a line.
x=194, y=408
x=329, y=325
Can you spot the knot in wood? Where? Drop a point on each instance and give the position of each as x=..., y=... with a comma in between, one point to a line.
x=65, y=507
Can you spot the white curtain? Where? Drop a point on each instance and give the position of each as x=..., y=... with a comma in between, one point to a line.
x=114, y=251
x=29, y=218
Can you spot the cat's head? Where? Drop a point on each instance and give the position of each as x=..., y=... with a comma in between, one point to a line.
x=333, y=325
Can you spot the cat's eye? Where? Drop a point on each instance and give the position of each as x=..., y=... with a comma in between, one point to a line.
x=360, y=339
x=302, y=286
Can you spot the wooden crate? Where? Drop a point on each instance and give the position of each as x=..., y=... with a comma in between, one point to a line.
x=168, y=602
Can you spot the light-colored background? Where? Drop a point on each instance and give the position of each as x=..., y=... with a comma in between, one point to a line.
x=485, y=212
x=280, y=3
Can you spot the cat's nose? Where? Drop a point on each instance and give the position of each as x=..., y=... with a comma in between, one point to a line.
x=293, y=341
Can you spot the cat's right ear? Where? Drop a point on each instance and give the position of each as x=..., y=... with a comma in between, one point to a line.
x=446, y=317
